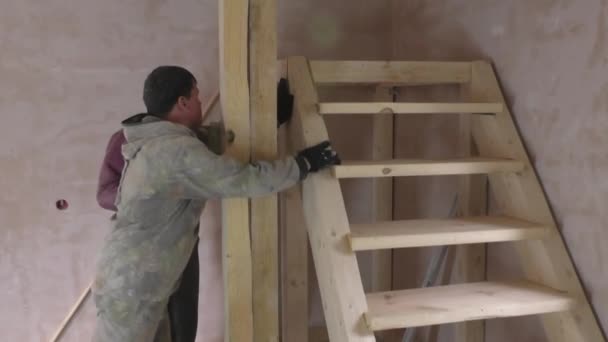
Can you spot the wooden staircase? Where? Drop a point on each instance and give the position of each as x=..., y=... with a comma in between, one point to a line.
x=551, y=287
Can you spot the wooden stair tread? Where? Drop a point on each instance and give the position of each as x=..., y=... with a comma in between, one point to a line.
x=437, y=232
x=390, y=72
x=421, y=167
x=462, y=302
x=410, y=107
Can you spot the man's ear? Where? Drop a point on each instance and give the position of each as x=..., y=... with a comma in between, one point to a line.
x=182, y=101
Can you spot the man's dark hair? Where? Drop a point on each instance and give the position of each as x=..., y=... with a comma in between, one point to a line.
x=164, y=86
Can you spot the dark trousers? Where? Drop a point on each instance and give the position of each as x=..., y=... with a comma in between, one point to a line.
x=183, y=304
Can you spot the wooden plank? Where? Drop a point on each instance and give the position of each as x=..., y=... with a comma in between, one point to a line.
x=264, y=211
x=521, y=195
x=439, y=232
x=336, y=265
x=73, y=310
x=462, y=302
x=408, y=108
x=382, y=191
x=420, y=167
x=393, y=73
x=234, y=90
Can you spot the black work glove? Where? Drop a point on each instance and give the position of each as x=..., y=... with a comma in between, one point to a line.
x=317, y=158
x=284, y=102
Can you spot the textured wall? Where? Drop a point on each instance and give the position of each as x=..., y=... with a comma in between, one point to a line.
x=70, y=71
x=552, y=59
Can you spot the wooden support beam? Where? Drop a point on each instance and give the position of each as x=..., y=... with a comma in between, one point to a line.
x=234, y=90
x=470, y=260
x=390, y=73
x=520, y=195
x=382, y=194
x=408, y=108
x=264, y=211
x=337, y=269
x=382, y=191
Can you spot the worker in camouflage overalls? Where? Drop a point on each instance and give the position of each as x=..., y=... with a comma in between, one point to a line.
x=168, y=175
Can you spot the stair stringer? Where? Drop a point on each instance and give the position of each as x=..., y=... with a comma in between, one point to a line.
x=344, y=301
x=520, y=195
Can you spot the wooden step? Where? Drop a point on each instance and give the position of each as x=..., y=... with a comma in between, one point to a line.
x=462, y=302
x=390, y=72
x=438, y=232
x=408, y=108
x=420, y=167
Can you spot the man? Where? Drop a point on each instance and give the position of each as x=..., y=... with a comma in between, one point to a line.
x=167, y=177
x=183, y=303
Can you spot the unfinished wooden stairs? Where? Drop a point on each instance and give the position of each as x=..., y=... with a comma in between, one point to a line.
x=551, y=287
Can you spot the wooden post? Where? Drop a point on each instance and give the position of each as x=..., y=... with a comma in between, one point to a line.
x=382, y=191
x=264, y=211
x=382, y=195
x=469, y=260
x=234, y=90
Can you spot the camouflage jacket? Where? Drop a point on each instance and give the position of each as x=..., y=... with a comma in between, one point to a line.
x=168, y=175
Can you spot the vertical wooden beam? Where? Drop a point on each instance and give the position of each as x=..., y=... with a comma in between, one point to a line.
x=382, y=191
x=382, y=195
x=234, y=90
x=264, y=211
x=469, y=260
x=342, y=293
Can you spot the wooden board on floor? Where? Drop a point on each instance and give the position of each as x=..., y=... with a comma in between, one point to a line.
x=234, y=90
x=264, y=211
x=337, y=269
x=382, y=194
x=520, y=195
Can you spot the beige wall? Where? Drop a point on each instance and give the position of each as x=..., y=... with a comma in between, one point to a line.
x=552, y=59
x=69, y=72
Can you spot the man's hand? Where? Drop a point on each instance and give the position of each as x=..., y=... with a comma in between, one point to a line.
x=284, y=102
x=319, y=157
